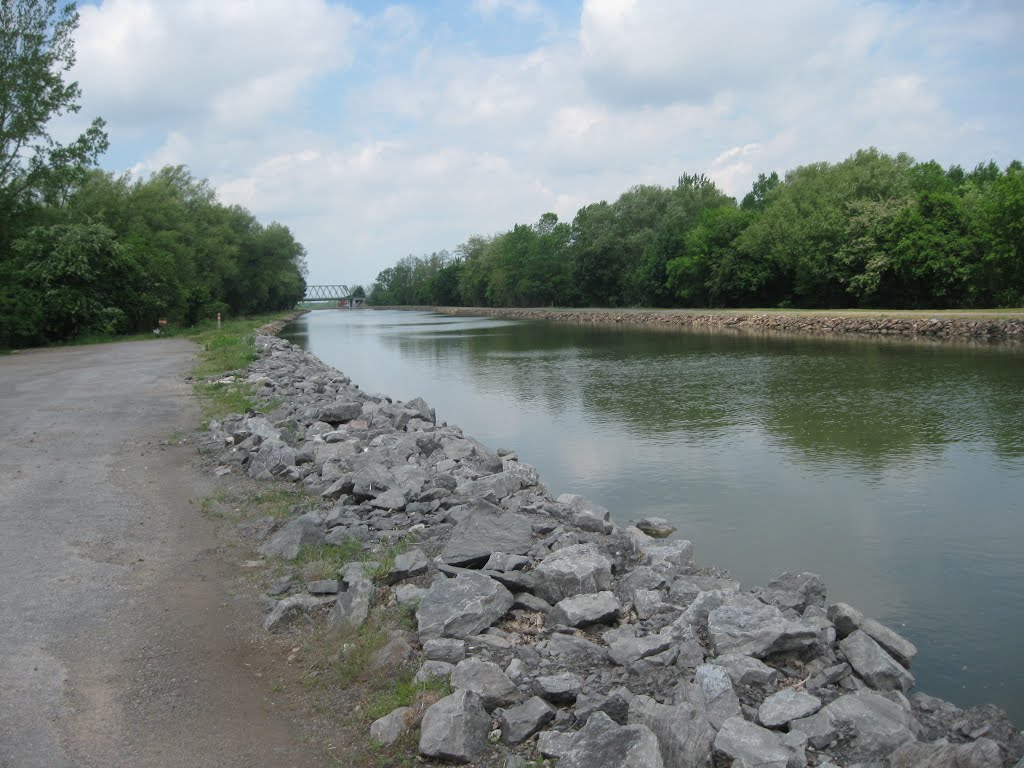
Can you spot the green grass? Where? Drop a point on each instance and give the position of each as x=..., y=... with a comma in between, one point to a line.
x=324, y=560
x=278, y=502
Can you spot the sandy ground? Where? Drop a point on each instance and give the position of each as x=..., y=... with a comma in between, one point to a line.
x=122, y=642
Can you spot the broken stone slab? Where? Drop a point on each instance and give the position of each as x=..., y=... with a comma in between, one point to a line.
x=291, y=608
x=521, y=722
x=582, y=610
x=846, y=618
x=408, y=565
x=560, y=689
x=794, y=591
x=711, y=691
x=874, y=666
x=684, y=734
x=390, y=728
x=304, y=530
x=485, y=679
x=894, y=644
x=352, y=605
x=746, y=626
x=484, y=530
x=460, y=607
x=573, y=570
x=602, y=743
x=626, y=651
x=754, y=745
x=746, y=670
x=875, y=726
x=455, y=728
x=788, y=704
x=983, y=753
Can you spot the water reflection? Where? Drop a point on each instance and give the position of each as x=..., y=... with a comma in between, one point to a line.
x=895, y=471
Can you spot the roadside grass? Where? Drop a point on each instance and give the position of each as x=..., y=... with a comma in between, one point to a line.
x=279, y=503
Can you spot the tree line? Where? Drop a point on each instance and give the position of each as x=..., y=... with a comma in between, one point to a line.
x=872, y=231
x=86, y=252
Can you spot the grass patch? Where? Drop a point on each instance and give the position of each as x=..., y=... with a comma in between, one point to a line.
x=279, y=503
x=323, y=561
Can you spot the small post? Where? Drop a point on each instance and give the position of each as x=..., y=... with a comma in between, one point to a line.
x=218, y=321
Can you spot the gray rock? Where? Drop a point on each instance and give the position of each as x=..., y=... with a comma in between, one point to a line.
x=846, y=618
x=615, y=705
x=712, y=692
x=786, y=705
x=323, y=587
x=408, y=565
x=502, y=561
x=754, y=745
x=561, y=689
x=485, y=679
x=581, y=610
x=875, y=725
x=745, y=625
x=520, y=723
x=273, y=458
x=484, y=530
x=409, y=594
x=455, y=728
x=983, y=753
x=678, y=553
x=434, y=670
x=684, y=734
x=794, y=591
x=392, y=499
x=292, y=608
x=340, y=411
x=626, y=651
x=876, y=667
x=390, y=728
x=372, y=481
x=530, y=602
x=352, y=605
x=585, y=514
x=602, y=743
x=650, y=602
x=746, y=670
x=501, y=485
x=894, y=644
x=554, y=743
x=445, y=649
x=463, y=606
x=656, y=527
x=574, y=570
x=304, y=530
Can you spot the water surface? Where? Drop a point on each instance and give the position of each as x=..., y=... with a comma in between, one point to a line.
x=896, y=471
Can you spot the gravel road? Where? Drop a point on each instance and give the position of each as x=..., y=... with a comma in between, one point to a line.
x=120, y=641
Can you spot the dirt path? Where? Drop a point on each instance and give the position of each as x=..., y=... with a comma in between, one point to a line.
x=121, y=641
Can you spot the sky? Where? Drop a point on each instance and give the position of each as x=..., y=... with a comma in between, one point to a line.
x=377, y=131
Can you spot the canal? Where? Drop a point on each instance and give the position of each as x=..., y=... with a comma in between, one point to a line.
x=894, y=470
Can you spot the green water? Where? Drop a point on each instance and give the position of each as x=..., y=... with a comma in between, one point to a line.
x=896, y=471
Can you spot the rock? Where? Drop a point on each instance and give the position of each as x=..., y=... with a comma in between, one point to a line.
x=304, y=530
x=684, y=734
x=983, y=753
x=846, y=618
x=352, y=605
x=273, y=458
x=746, y=670
x=485, y=679
x=788, y=704
x=626, y=651
x=745, y=625
x=602, y=743
x=554, y=743
x=581, y=610
x=754, y=745
x=678, y=553
x=711, y=691
x=894, y=644
x=570, y=650
x=794, y=591
x=520, y=723
x=408, y=565
x=502, y=561
x=460, y=607
x=656, y=527
x=650, y=602
x=501, y=485
x=455, y=728
x=390, y=728
x=875, y=725
x=392, y=499
x=485, y=530
x=574, y=570
x=323, y=587
x=433, y=670
x=340, y=411
x=530, y=602
x=409, y=594
x=585, y=514
x=445, y=649
x=876, y=667
x=291, y=608
x=560, y=689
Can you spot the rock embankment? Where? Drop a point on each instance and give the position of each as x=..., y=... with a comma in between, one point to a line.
x=938, y=328
x=561, y=633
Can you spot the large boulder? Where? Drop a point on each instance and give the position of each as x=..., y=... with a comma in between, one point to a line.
x=485, y=679
x=874, y=725
x=795, y=591
x=684, y=734
x=463, y=606
x=485, y=530
x=602, y=743
x=575, y=570
x=894, y=644
x=876, y=667
x=340, y=411
x=744, y=625
x=455, y=728
x=581, y=610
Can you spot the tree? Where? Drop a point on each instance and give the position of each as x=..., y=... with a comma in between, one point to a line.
x=36, y=50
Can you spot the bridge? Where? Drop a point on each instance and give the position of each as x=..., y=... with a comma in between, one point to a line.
x=326, y=293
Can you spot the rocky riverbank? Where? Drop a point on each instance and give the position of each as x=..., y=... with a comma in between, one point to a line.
x=940, y=327
x=560, y=633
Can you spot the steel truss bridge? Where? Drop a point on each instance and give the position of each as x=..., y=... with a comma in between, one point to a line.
x=327, y=293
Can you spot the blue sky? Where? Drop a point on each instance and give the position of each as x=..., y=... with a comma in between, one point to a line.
x=375, y=131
